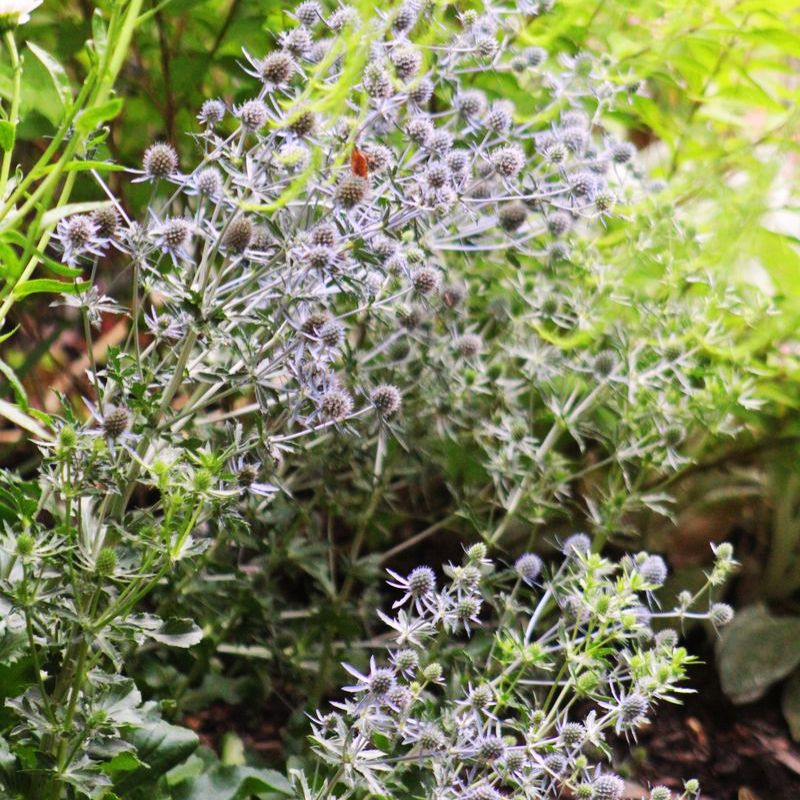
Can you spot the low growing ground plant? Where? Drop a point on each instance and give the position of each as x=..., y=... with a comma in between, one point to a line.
x=525, y=710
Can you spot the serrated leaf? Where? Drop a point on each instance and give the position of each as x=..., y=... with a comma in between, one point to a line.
x=755, y=651
x=173, y=632
x=84, y=774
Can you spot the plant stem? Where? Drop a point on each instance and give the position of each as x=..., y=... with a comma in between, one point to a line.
x=13, y=113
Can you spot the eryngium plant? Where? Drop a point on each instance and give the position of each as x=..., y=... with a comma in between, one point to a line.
x=288, y=293
x=392, y=232
x=556, y=663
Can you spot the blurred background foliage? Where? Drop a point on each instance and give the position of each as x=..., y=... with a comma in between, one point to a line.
x=719, y=119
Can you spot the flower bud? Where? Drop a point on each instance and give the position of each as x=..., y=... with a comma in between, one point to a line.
x=106, y=562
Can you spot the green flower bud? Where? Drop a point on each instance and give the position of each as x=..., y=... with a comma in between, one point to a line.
x=202, y=480
x=586, y=683
x=97, y=718
x=25, y=544
x=106, y=562
x=476, y=552
x=538, y=717
x=67, y=438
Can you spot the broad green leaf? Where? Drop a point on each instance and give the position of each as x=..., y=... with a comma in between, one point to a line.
x=96, y=116
x=40, y=285
x=780, y=258
x=232, y=750
x=15, y=677
x=755, y=651
x=41, y=105
x=57, y=73
x=232, y=783
x=160, y=747
x=9, y=263
x=122, y=763
x=191, y=768
x=99, y=33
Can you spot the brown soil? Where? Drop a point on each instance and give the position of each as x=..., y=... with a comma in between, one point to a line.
x=736, y=752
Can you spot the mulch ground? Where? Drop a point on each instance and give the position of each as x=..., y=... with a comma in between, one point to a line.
x=736, y=752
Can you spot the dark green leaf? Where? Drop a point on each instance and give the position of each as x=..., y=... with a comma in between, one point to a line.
x=173, y=632
x=232, y=783
x=160, y=746
x=57, y=73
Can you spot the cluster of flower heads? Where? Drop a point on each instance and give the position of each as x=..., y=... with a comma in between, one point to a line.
x=301, y=271
x=575, y=655
x=322, y=258
x=306, y=257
